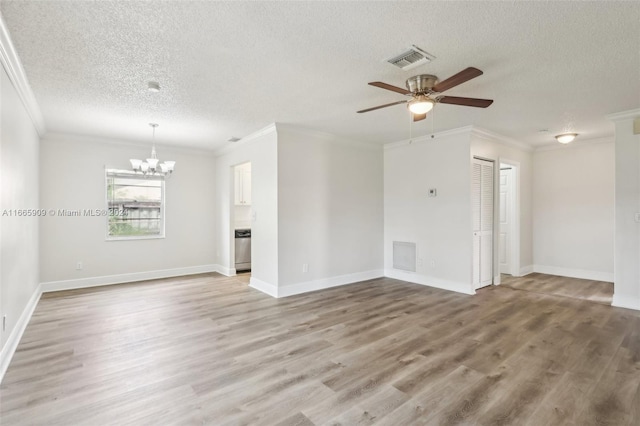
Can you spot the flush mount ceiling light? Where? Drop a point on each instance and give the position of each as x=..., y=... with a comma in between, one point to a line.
x=421, y=104
x=151, y=166
x=153, y=86
x=566, y=137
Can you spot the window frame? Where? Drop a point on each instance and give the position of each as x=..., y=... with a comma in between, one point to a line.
x=126, y=174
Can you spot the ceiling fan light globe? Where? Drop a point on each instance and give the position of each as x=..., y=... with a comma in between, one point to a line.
x=421, y=105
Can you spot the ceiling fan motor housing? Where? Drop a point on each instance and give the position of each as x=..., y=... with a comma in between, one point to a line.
x=421, y=83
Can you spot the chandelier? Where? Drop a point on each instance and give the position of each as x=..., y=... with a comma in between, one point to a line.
x=152, y=166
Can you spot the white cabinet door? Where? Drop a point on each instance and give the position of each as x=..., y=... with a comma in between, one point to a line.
x=482, y=215
x=242, y=176
x=246, y=187
x=238, y=186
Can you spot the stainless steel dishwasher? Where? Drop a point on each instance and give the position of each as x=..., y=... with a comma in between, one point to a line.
x=243, y=250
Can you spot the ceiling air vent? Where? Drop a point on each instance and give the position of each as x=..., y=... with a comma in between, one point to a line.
x=411, y=58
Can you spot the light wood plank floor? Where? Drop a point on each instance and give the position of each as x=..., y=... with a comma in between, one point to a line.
x=595, y=291
x=209, y=350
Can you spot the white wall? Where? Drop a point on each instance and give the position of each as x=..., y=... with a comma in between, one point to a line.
x=73, y=177
x=19, y=144
x=573, y=209
x=261, y=150
x=627, y=202
x=330, y=210
x=493, y=147
x=440, y=226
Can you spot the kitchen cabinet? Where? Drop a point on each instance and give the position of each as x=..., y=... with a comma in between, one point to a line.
x=243, y=185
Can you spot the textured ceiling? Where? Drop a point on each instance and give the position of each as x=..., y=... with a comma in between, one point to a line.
x=231, y=68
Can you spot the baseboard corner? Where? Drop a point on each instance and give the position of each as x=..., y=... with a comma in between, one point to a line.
x=626, y=302
x=264, y=287
x=525, y=270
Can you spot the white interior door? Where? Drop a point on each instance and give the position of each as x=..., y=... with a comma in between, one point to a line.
x=506, y=219
x=482, y=212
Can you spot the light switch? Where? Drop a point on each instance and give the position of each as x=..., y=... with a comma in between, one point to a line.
x=637, y=217
x=433, y=192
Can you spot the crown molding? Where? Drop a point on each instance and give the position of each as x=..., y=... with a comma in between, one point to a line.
x=426, y=138
x=582, y=143
x=504, y=140
x=77, y=138
x=271, y=128
x=468, y=130
x=13, y=66
x=624, y=115
x=326, y=136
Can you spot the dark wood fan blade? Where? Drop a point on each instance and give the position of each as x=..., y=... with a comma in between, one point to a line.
x=418, y=117
x=472, y=102
x=464, y=75
x=390, y=87
x=382, y=106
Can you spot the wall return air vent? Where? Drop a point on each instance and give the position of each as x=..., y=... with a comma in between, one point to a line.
x=404, y=256
x=411, y=58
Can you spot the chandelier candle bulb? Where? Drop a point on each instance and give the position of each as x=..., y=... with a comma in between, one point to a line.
x=153, y=163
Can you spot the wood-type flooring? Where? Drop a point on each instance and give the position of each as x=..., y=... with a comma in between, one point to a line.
x=595, y=291
x=208, y=349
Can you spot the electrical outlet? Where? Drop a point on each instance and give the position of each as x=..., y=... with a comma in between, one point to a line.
x=305, y=267
x=79, y=266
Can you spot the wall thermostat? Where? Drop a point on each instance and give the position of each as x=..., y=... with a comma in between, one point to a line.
x=432, y=192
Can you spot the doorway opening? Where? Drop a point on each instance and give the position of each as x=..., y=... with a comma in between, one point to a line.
x=241, y=220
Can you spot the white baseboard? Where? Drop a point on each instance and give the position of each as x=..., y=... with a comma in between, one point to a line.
x=626, y=302
x=458, y=287
x=526, y=270
x=11, y=344
x=323, y=283
x=127, y=278
x=314, y=285
x=263, y=286
x=574, y=273
x=227, y=272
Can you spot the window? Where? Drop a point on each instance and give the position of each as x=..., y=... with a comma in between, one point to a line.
x=135, y=206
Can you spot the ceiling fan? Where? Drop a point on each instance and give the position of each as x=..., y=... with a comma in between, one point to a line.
x=422, y=89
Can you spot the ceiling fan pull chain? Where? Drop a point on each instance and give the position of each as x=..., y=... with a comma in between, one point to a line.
x=410, y=128
x=432, y=113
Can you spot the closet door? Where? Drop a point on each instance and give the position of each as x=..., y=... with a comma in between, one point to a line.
x=482, y=211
